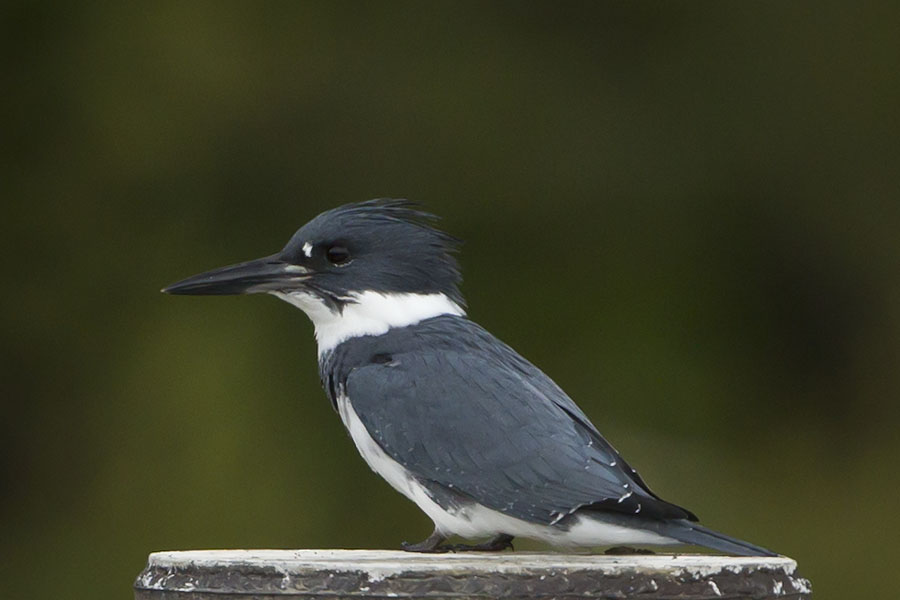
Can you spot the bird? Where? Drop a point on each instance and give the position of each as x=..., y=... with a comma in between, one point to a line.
x=480, y=439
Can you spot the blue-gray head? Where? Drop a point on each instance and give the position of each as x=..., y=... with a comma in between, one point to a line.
x=357, y=269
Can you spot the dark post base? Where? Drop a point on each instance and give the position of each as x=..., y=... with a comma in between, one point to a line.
x=331, y=574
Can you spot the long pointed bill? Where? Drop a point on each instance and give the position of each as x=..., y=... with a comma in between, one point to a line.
x=260, y=275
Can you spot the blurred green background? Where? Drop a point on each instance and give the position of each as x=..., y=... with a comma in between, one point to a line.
x=685, y=213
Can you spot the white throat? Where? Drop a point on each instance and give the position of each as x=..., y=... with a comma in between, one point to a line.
x=368, y=313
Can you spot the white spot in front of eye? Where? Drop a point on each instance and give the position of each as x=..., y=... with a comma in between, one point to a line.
x=307, y=249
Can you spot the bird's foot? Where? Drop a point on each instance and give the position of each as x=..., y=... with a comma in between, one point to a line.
x=627, y=550
x=496, y=544
x=434, y=544
x=431, y=544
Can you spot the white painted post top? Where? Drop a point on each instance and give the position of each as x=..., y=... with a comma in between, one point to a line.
x=226, y=574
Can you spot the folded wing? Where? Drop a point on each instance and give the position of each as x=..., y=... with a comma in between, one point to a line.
x=499, y=432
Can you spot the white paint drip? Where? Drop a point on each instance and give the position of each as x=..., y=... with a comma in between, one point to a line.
x=378, y=565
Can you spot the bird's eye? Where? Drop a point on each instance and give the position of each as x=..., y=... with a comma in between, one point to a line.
x=337, y=255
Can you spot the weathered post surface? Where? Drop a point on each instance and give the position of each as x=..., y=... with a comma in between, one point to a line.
x=330, y=574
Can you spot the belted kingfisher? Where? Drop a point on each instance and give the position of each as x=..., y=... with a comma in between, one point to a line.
x=485, y=443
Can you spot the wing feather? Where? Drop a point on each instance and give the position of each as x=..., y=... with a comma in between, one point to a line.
x=501, y=434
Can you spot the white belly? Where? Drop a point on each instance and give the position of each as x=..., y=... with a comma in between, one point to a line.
x=477, y=521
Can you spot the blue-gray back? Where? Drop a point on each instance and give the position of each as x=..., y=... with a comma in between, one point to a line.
x=465, y=414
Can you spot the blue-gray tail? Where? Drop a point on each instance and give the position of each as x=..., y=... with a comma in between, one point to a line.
x=692, y=533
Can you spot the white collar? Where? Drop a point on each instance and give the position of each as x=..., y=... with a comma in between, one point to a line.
x=368, y=313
